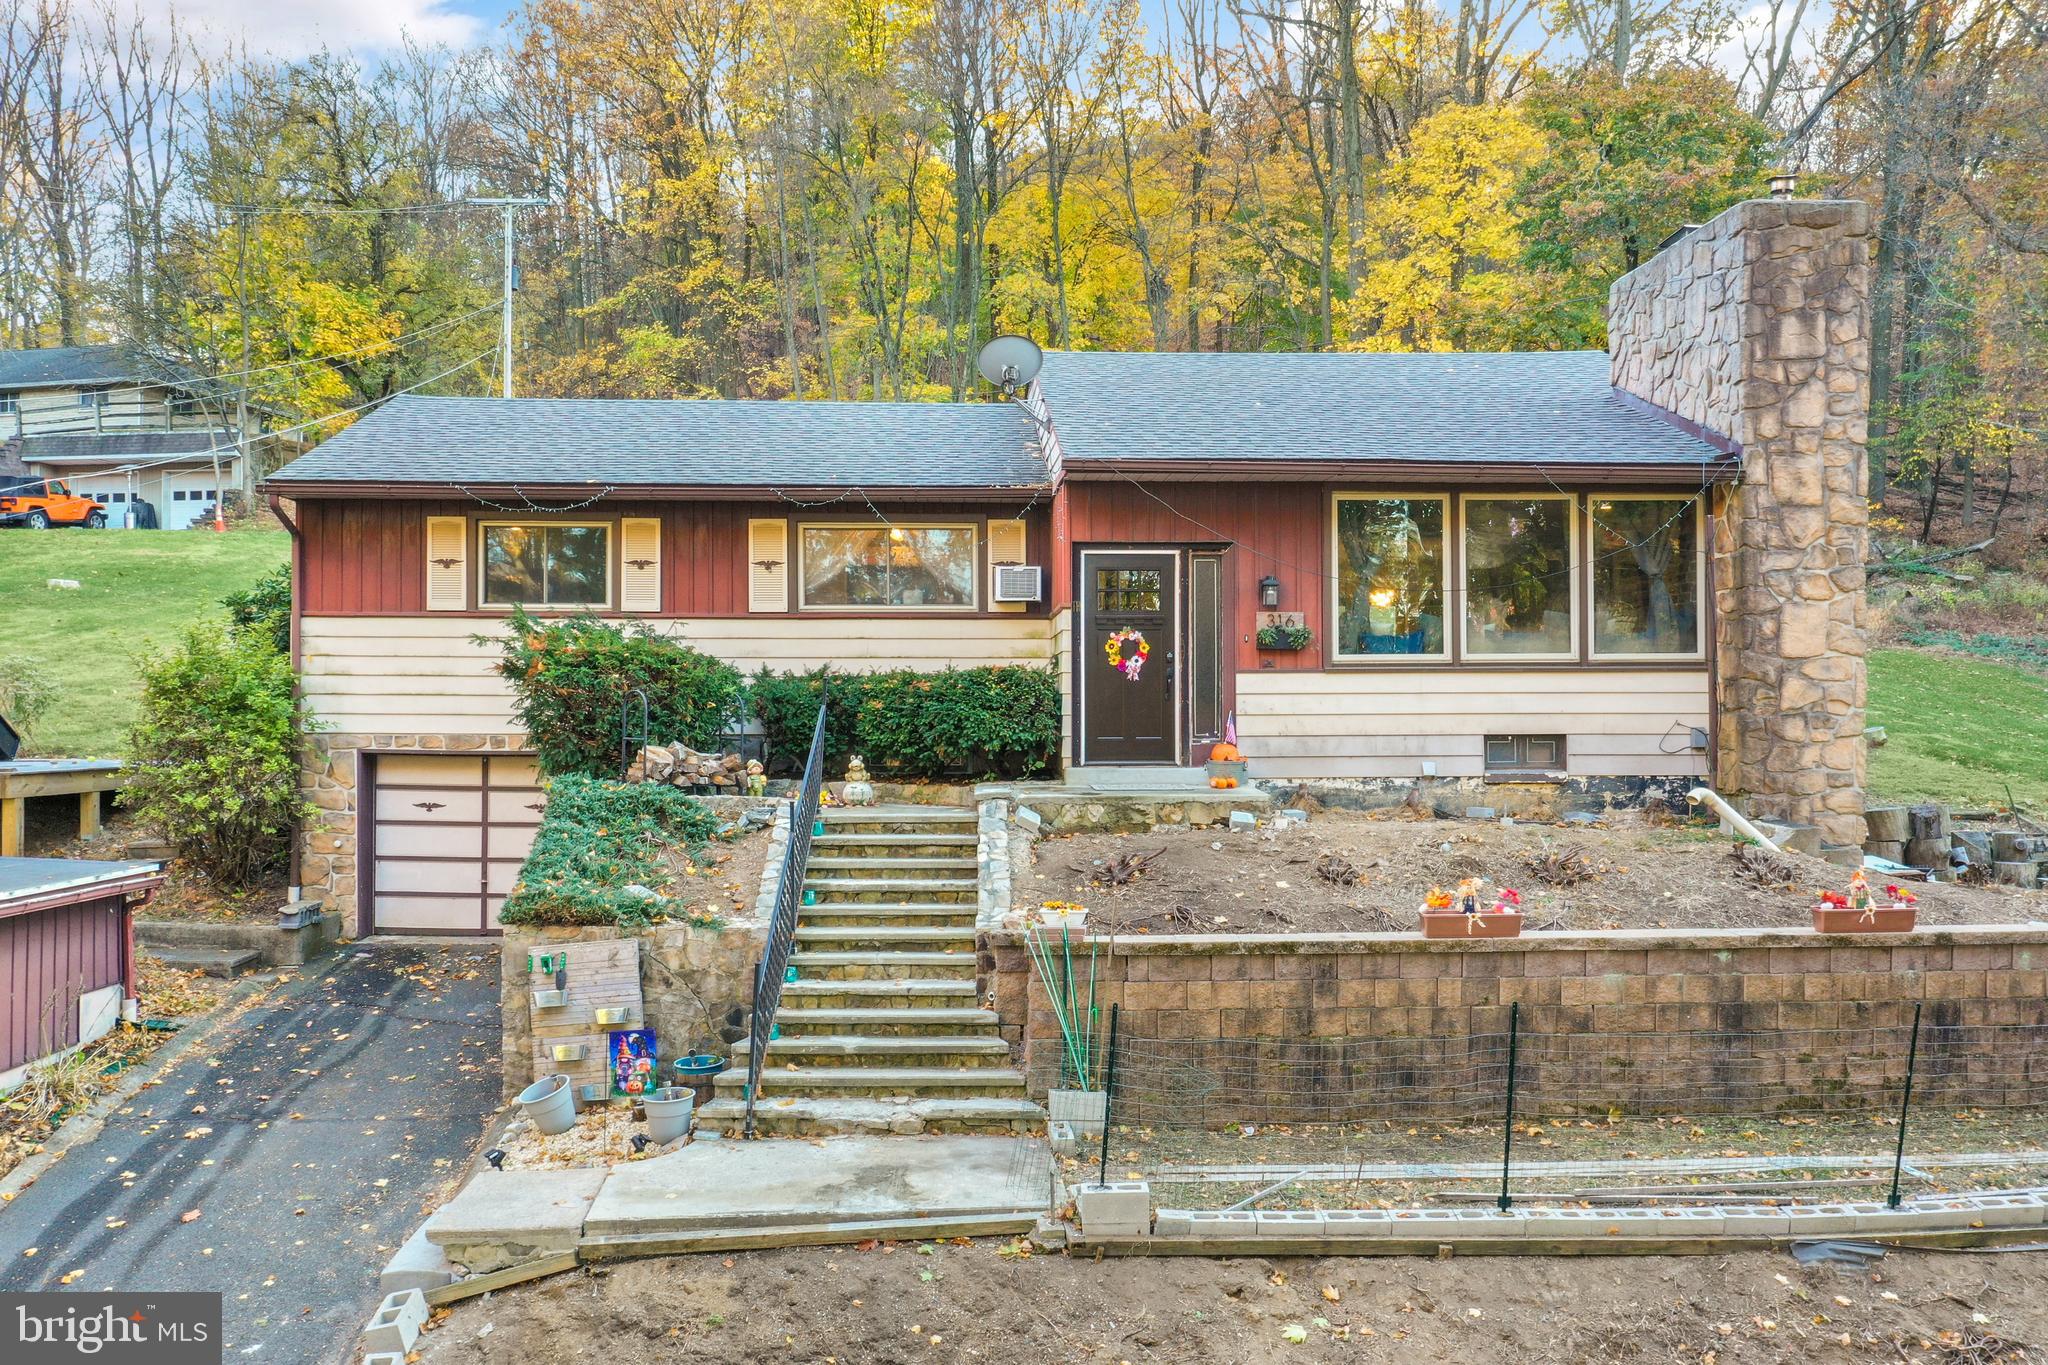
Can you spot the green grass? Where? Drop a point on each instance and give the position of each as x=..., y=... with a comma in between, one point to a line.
x=1960, y=730
x=139, y=590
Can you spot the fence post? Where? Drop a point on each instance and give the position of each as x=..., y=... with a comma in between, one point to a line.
x=1108, y=1095
x=1507, y=1135
x=1905, y=1100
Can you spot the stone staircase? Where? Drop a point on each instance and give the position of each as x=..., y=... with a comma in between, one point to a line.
x=881, y=1030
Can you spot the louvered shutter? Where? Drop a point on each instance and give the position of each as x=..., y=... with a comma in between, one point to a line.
x=768, y=564
x=1005, y=546
x=447, y=563
x=639, y=564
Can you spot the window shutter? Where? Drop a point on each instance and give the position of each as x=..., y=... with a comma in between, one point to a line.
x=1005, y=546
x=447, y=563
x=767, y=564
x=639, y=564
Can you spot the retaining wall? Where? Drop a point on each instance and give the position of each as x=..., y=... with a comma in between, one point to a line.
x=1819, y=1016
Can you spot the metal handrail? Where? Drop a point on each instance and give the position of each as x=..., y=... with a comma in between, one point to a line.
x=774, y=964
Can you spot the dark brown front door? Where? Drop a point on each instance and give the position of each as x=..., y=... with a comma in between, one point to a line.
x=1127, y=658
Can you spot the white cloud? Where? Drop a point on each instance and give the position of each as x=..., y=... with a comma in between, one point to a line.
x=1755, y=32
x=294, y=28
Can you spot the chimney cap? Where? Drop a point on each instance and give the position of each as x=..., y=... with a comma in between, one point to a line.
x=1784, y=184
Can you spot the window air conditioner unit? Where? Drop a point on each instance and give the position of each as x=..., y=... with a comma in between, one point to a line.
x=1018, y=582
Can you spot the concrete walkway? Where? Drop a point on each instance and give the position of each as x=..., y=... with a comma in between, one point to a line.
x=306, y=1134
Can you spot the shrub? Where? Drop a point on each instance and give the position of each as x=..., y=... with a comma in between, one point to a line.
x=26, y=691
x=599, y=837
x=217, y=749
x=568, y=677
x=998, y=721
x=264, y=609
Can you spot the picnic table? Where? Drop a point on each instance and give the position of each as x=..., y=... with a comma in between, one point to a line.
x=23, y=778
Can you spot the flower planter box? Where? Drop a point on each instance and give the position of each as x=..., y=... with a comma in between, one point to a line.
x=1458, y=924
x=1881, y=919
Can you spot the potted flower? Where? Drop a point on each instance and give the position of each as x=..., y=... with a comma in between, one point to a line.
x=1464, y=914
x=1858, y=911
x=1288, y=637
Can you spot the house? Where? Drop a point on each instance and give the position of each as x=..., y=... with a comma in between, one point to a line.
x=120, y=426
x=67, y=954
x=1622, y=571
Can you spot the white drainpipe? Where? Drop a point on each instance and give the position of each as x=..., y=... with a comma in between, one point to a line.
x=1734, y=817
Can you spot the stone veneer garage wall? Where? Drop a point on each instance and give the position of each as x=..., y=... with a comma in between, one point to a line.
x=1639, y=987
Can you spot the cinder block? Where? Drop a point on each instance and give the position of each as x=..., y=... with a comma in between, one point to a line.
x=1172, y=1222
x=1060, y=1136
x=1818, y=1220
x=1561, y=1222
x=1455, y=1223
x=1754, y=1220
x=1121, y=1208
x=1221, y=1223
x=1290, y=1223
x=1357, y=1223
x=1029, y=820
x=1292, y=816
x=396, y=1324
x=1687, y=1222
x=2005, y=1210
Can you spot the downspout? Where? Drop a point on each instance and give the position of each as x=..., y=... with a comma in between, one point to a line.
x=277, y=506
x=1713, y=585
x=1711, y=798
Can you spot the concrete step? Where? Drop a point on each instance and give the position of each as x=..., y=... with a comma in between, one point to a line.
x=945, y=1052
x=897, y=888
x=209, y=961
x=934, y=820
x=856, y=844
x=844, y=936
x=794, y=1117
x=891, y=994
x=633, y=1245
x=890, y=912
x=839, y=965
x=874, y=1082
x=833, y=865
x=930, y=1023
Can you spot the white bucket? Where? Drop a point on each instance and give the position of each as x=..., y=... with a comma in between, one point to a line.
x=550, y=1104
x=668, y=1112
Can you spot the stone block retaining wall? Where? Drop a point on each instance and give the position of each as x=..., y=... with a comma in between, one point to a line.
x=1613, y=1001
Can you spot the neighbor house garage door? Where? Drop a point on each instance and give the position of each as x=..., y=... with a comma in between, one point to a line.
x=447, y=836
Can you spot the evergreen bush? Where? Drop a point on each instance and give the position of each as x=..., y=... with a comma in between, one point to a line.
x=597, y=839
x=998, y=721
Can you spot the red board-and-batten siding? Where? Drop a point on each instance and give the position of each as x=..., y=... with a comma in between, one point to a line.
x=368, y=557
x=48, y=959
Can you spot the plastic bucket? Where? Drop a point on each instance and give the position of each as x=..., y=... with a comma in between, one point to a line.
x=668, y=1112
x=550, y=1104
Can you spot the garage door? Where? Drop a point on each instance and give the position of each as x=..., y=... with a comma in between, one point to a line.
x=447, y=837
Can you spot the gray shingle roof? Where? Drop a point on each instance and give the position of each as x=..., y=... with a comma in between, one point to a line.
x=27, y=876
x=126, y=445
x=1534, y=406
x=689, y=442
x=48, y=366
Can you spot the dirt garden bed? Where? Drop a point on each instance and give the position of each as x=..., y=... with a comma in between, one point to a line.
x=1348, y=872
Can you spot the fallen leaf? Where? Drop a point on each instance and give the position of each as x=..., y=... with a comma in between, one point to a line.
x=189, y=1216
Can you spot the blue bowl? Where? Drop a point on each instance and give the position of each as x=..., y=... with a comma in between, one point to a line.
x=703, y=1064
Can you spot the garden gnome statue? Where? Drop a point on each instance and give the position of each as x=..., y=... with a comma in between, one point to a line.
x=757, y=778
x=859, y=791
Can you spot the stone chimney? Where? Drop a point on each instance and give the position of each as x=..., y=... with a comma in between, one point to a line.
x=1755, y=326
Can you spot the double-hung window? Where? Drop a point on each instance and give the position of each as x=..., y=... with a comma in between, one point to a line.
x=545, y=564
x=890, y=567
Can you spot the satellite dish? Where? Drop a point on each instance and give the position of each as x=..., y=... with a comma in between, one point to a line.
x=1010, y=362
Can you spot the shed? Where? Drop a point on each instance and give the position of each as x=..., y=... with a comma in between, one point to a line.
x=67, y=953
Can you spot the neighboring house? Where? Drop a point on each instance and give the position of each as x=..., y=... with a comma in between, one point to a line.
x=119, y=426
x=1622, y=571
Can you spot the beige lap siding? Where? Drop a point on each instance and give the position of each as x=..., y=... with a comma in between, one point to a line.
x=1369, y=723
x=424, y=674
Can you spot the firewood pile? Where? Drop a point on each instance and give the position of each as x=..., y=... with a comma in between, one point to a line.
x=679, y=765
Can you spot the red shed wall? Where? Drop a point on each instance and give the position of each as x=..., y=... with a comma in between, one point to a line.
x=48, y=958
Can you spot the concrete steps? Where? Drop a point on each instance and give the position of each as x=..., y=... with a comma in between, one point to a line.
x=225, y=962
x=882, y=1030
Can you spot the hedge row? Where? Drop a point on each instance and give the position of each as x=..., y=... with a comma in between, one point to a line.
x=1001, y=721
x=598, y=838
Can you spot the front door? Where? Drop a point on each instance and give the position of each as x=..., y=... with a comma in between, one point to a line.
x=1128, y=711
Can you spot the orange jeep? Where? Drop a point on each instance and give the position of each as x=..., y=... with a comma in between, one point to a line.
x=42, y=503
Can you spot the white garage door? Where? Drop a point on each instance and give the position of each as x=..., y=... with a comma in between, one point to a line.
x=447, y=837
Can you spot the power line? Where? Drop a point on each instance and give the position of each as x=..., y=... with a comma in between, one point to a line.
x=345, y=210
x=377, y=347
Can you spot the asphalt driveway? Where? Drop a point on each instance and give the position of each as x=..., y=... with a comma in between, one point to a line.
x=283, y=1159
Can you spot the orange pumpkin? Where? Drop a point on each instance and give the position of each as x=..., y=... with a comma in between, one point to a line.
x=1225, y=752
x=1223, y=783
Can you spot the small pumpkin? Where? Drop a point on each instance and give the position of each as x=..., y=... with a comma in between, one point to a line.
x=1223, y=783
x=1226, y=752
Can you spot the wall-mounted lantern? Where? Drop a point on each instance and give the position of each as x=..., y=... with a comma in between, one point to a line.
x=1269, y=592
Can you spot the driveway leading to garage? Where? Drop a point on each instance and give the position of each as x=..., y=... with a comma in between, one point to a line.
x=310, y=1134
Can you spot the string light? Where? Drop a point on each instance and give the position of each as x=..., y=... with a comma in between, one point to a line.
x=529, y=505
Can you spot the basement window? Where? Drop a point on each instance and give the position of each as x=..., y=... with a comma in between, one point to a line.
x=1524, y=758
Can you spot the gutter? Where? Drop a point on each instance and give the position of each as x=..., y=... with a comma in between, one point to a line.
x=443, y=489
x=96, y=887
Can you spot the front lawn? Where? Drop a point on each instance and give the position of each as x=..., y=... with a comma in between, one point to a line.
x=137, y=589
x=1960, y=730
